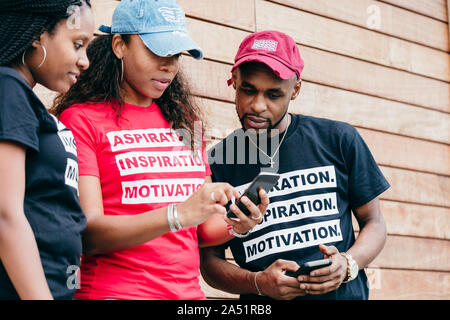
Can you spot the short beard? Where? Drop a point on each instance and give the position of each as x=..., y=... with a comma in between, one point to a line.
x=268, y=130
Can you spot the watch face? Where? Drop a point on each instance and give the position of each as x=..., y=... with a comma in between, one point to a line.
x=353, y=270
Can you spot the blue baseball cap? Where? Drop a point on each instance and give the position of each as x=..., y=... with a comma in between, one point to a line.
x=161, y=24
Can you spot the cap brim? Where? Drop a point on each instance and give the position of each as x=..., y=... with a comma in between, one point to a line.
x=105, y=29
x=166, y=44
x=280, y=70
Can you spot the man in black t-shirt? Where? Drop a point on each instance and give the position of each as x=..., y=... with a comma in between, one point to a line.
x=327, y=172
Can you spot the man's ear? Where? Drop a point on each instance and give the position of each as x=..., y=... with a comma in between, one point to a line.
x=118, y=46
x=234, y=78
x=297, y=87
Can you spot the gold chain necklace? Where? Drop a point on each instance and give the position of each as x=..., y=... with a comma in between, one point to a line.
x=271, y=162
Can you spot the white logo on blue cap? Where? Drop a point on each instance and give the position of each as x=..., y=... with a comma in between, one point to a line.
x=174, y=15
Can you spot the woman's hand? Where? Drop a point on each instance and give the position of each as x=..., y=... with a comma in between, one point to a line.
x=214, y=231
x=208, y=200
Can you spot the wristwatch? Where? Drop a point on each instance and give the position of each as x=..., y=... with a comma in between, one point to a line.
x=352, y=268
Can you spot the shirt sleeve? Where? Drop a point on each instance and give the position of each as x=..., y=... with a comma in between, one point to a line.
x=85, y=139
x=366, y=181
x=18, y=122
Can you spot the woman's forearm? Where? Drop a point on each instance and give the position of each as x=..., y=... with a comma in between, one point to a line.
x=20, y=257
x=108, y=233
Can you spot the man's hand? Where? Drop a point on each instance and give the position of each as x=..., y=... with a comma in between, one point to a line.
x=325, y=279
x=274, y=283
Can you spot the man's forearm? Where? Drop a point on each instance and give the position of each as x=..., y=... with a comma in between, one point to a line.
x=369, y=243
x=223, y=275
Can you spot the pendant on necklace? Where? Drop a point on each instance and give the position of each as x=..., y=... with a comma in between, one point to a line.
x=272, y=163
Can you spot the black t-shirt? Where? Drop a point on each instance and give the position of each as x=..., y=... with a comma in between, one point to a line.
x=326, y=171
x=51, y=202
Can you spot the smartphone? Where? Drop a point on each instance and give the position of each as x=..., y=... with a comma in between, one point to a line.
x=264, y=180
x=309, y=266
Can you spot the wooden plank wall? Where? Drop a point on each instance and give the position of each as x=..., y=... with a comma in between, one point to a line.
x=382, y=66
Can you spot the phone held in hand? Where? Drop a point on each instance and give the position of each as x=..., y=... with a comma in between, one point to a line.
x=307, y=267
x=264, y=180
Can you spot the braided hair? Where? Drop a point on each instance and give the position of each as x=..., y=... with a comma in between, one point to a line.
x=23, y=21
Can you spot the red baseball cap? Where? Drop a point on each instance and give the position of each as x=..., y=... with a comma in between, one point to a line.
x=273, y=48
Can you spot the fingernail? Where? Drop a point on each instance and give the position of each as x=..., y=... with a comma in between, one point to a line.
x=244, y=199
x=303, y=286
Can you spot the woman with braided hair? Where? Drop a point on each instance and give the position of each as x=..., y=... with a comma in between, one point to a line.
x=41, y=220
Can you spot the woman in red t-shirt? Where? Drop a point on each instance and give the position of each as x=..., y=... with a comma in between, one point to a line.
x=147, y=196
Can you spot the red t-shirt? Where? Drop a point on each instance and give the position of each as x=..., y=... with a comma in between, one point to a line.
x=142, y=165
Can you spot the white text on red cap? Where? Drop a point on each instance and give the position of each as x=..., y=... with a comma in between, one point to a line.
x=268, y=45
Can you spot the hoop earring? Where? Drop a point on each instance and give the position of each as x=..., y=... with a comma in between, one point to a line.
x=121, y=73
x=45, y=57
x=43, y=60
x=23, y=57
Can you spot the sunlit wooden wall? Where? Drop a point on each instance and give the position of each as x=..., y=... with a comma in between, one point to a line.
x=382, y=66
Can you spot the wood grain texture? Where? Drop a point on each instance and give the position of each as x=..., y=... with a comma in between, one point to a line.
x=393, y=20
x=402, y=152
x=416, y=187
x=103, y=12
x=417, y=221
x=414, y=253
x=372, y=112
x=340, y=37
x=407, y=219
x=221, y=48
x=408, y=285
x=359, y=76
x=431, y=8
x=448, y=15
x=234, y=13
x=367, y=78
